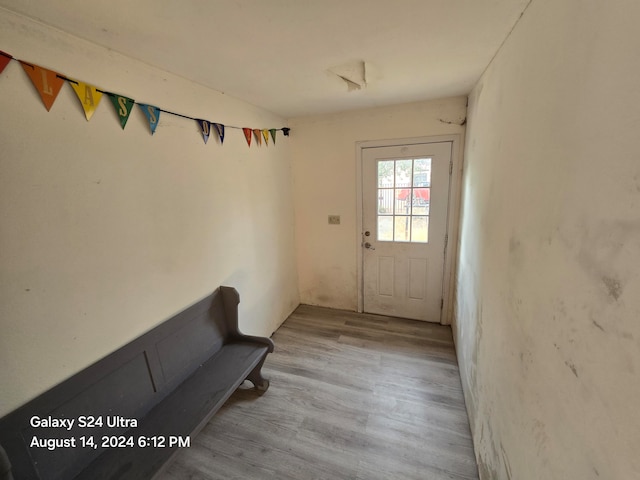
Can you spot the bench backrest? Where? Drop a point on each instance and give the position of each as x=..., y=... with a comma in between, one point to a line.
x=125, y=384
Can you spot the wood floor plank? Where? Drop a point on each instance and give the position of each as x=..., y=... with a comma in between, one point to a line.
x=352, y=396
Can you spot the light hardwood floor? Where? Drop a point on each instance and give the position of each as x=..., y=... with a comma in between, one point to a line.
x=352, y=396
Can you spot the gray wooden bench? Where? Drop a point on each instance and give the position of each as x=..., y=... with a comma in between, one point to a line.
x=169, y=381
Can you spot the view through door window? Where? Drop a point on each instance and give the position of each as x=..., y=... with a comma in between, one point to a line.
x=404, y=190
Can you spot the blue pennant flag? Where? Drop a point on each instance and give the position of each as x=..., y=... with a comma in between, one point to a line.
x=205, y=128
x=153, y=115
x=220, y=130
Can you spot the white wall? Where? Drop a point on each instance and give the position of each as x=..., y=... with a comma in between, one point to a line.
x=548, y=330
x=106, y=233
x=324, y=170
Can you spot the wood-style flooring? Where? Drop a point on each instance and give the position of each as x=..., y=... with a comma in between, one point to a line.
x=352, y=396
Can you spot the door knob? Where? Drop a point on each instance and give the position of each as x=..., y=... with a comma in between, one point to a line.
x=369, y=246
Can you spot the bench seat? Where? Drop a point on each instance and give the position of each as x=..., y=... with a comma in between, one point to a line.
x=184, y=412
x=167, y=383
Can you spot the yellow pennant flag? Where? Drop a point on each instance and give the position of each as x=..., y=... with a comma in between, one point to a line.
x=265, y=134
x=88, y=95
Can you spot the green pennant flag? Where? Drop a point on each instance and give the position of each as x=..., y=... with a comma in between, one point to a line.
x=273, y=135
x=123, y=106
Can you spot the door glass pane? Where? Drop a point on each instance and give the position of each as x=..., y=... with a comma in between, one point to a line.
x=385, y=201
x=404, y=195
x=385, y=229
x=385, y=173
x=420, y=201
x=403, y=201
x=404, y=170
x=420, y=229
x=422, y=172
x=402, y=230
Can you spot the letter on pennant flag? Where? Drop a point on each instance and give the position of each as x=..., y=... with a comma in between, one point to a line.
x=273, y=135
x=265, y=134
x=89, y=97
x=153, y=115
x=123, y=106
x=205, y=129
x=220, y=129
x=247, y=135
x=258, y=134
x=5, y=58
x=47, y=82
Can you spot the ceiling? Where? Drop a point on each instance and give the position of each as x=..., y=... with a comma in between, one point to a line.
x=280, y=54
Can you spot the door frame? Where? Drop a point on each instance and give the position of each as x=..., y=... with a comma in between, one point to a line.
x=453, y=215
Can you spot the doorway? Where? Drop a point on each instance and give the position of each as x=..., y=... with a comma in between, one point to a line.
x=405, y=203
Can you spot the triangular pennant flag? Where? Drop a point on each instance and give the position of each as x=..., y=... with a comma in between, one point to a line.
x=5, y=58
x=265, y=134
x=47, y=82
x=205, y=128
x=123, y=106
x=257, y=132
x=153, y=115
x=273, y=135
x=247, y=135
x=220, y=129
x=88, y=95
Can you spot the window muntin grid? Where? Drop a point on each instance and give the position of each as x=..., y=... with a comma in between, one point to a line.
x=404, y=195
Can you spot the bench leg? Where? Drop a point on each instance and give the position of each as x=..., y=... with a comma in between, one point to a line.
x=259, y=382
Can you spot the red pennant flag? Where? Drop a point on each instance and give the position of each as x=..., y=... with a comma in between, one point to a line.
x=47, y=82
x=258, y=134
x=247, y=135
x=5, y=58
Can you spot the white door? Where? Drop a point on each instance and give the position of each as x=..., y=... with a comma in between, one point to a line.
x=405, y=207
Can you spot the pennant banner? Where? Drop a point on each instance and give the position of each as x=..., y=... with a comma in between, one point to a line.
x=5, y=58
x=258, y=134
x=220, y=129
x=247, y=135
x=47, y=82
x=88, y=95
x=153, y=115
x=205, y=129
x=123, y=106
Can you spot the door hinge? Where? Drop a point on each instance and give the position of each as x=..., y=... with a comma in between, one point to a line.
x=450, y=167
x=441, y=303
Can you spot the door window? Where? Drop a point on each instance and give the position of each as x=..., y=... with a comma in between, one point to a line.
x=404, y=195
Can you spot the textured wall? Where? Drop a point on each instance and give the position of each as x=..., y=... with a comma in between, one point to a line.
x=547, y=309
x=324, y=167
x=105, y=233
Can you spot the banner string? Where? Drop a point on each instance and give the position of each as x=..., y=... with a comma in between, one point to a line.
x=284, y=130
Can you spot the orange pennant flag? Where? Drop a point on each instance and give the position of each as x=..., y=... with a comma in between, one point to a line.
x=247, y=135
x=265, y=134
x=258, y=133
x=89, y=97
x=47, y=82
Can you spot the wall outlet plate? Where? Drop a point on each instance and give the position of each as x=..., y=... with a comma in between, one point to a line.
x=334, y=219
